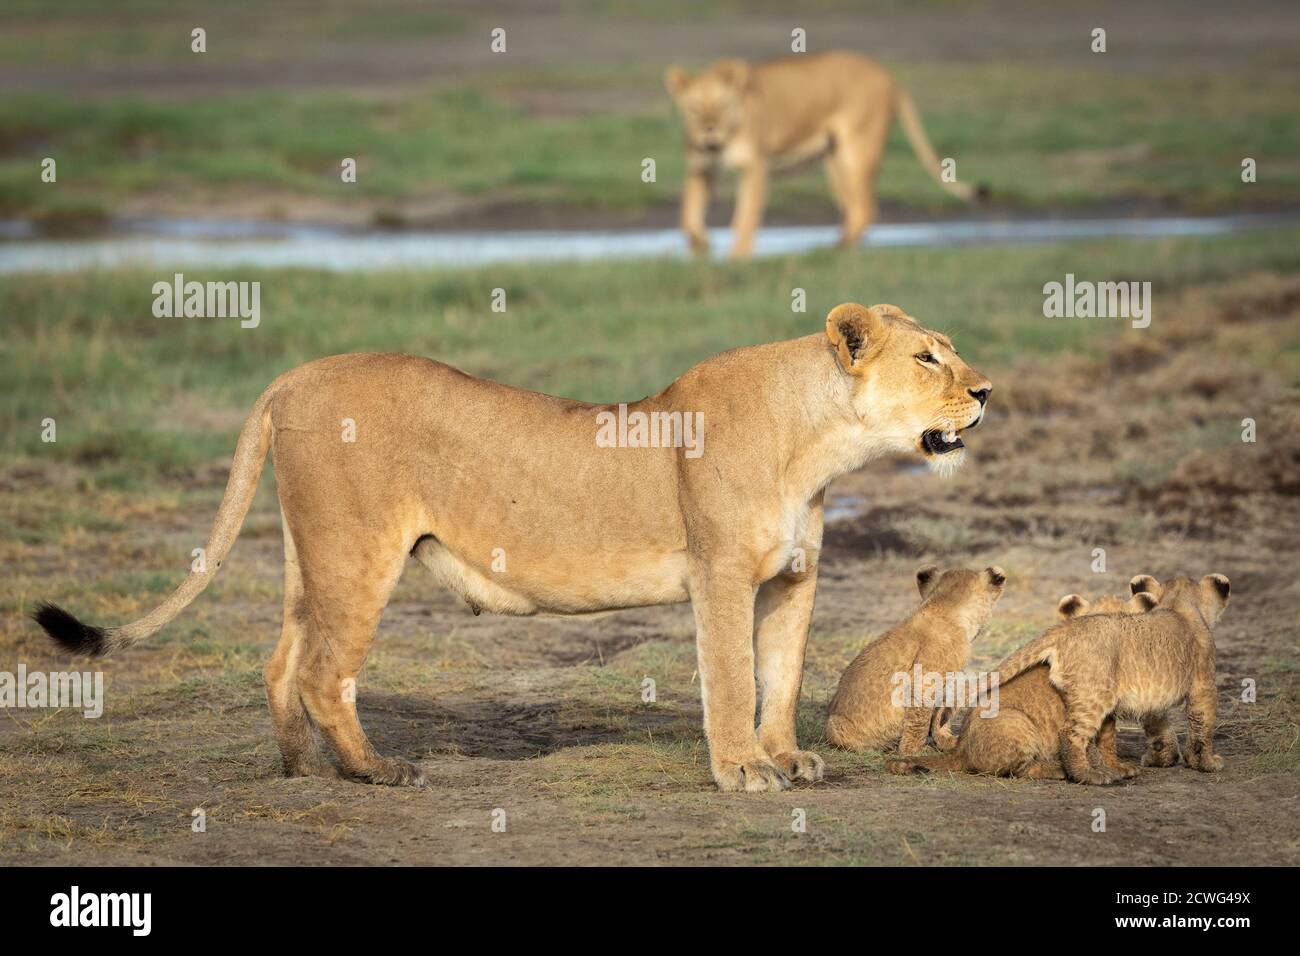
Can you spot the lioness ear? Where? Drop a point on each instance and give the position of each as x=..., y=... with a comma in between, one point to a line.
x=997, y=577
x=1072, y=605
x=855, y=332
x=1143, y=583
x=1143, y=601
x=676, y=79
x=925, y=578
x=735, y=73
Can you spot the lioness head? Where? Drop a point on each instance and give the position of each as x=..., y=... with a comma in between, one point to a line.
x=908, y=385
x=711, y=103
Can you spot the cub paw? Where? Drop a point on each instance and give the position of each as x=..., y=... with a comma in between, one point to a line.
x=800, y=765
x=757, y=776
x=1205, y=763
x=1094, y=778
x=1162, y=757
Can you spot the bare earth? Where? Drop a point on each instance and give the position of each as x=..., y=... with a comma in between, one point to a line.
x=1138, y=453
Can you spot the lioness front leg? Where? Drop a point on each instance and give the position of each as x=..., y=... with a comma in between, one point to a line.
x=784, y=614
x=695, y=205
x=722, y=598
x=750, y=202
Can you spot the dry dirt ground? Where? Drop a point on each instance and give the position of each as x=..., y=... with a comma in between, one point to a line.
x=1138, y=452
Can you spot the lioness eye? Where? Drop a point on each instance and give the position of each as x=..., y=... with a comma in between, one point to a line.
x=927, y=358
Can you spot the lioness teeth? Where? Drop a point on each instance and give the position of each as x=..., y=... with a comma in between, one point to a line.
x=950, y=437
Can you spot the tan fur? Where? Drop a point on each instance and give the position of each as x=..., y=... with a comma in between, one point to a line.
x=1022, y=739
x=505, y=496
x=866, y=713
x=1136, y=667
x=757, y=117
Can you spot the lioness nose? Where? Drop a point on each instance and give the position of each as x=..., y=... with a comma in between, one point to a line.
x=981, y=394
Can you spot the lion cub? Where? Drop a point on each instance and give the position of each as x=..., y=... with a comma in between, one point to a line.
x=955, y=606
x=1023, y=737
x=1134, y=666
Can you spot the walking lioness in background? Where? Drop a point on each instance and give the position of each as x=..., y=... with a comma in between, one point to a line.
x=456, y=470
x=757, y=117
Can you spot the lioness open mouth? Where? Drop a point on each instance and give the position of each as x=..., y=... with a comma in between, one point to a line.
x=938, y=442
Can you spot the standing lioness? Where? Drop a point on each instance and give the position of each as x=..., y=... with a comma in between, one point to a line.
x=755, y=117
x=515, y=502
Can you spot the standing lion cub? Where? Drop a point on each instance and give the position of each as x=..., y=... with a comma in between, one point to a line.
x=867, y=713
x=755, y=117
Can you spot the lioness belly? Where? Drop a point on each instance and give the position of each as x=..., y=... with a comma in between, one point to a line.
x=557, y=587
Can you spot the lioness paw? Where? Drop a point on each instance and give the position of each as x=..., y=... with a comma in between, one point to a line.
x=800, y=765
x=751, y=777
x=391, y=773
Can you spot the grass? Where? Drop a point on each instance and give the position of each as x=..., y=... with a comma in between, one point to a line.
x=140, y=401
x=1039, y=137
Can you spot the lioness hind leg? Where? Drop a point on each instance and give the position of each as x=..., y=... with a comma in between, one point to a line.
x=857, y=157
x=347, y=581
x=293, y=732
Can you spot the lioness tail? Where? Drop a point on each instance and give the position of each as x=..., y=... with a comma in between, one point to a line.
x=925, y=154
x=250, y=453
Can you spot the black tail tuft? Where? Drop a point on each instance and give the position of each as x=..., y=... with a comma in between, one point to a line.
x=982, y=192
x=70, y=633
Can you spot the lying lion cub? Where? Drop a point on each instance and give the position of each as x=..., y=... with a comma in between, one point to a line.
x=761, y=116
x=1134, y=666
x=1023, y=737
x=866, y=713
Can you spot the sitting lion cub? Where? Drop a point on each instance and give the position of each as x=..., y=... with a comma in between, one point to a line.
x=1023, y=737
x=1134, y=666
x=955, y=606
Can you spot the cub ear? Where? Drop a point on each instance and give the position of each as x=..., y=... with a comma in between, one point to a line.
x=1141, y=583
x=1143, y=601
x=1220, y=583
x=856, y=333
x=676, y=79
x=1072, y=605
x=926, y=578
x=735, y=73
x=997, y=577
